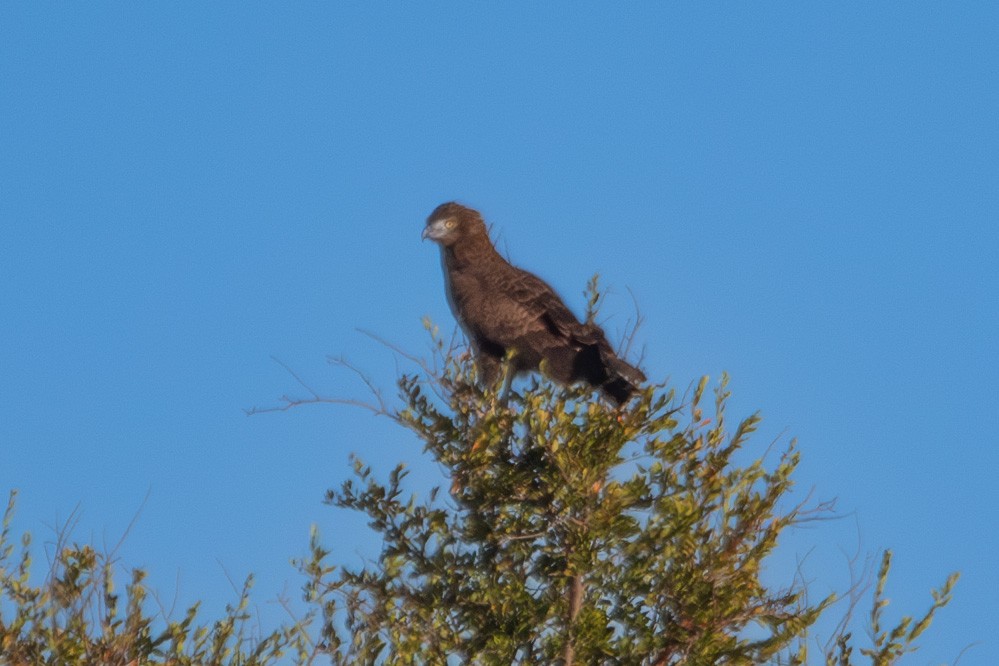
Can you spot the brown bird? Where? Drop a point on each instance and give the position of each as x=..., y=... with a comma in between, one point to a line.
x=502, y=308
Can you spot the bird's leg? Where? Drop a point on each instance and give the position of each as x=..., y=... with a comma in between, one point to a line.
x=489, y=370
x=509, y=369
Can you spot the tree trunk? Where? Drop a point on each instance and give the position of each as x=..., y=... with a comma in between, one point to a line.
x=575, y=599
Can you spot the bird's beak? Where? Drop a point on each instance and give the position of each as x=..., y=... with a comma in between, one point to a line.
x=434, y=231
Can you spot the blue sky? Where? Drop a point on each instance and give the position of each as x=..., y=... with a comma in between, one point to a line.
x=801, y=195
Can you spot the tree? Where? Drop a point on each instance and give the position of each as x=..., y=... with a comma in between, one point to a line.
x=568, y=531
x=576, y=532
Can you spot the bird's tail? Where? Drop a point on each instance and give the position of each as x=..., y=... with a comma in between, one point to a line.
x=623, y=379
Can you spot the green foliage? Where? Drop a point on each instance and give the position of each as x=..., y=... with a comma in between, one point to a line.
x=889, y=646
x=76, y=616
x=568, y=531
x=577, y=532
x=574, y=530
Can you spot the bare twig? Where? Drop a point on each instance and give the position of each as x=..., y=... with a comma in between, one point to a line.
x=629, y=336
x=434, y=369
x=316, y=398
x=396, y=348
x=860, y=582
x=62, y=533
x=963, y=650
x=372, y=387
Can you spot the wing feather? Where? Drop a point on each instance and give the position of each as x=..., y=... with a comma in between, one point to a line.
x=521, y=304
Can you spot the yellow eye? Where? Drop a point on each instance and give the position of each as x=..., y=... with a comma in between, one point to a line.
x=450, y=223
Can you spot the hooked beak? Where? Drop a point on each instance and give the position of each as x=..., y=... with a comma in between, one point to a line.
x=434, y=231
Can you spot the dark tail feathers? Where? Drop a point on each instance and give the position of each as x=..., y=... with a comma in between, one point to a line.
x=623, y=379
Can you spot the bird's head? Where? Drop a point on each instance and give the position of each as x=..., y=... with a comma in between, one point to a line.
x=451, y=221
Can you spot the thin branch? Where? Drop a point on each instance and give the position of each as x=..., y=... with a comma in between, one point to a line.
x=628, y=338
x=434, y=370
x=316, y=398
x=62, y=536
x=131, y=523
x=821, y=511
x=860, y=583
x=164, y=613
x=965, y=649
x=522, y=537
x=372, y=387
x=396, y=348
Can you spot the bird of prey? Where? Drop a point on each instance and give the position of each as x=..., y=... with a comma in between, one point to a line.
x=502, y=309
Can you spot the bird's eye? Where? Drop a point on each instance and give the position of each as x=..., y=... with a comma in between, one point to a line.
x=450, y=223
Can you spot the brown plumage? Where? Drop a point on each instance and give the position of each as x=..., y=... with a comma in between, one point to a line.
x=502, y=308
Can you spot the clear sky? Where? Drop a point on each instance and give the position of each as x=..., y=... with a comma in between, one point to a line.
x=801, y=194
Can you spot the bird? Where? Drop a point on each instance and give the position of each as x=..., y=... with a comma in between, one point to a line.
x=505, y=310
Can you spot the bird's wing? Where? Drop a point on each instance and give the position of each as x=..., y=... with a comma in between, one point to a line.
x=523, y=304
